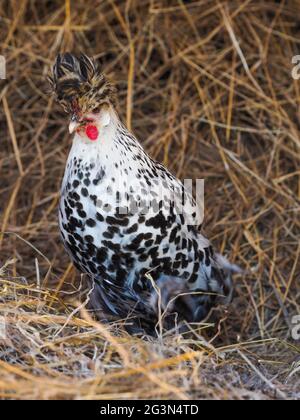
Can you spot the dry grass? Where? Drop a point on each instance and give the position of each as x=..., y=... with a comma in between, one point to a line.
x=207, y=86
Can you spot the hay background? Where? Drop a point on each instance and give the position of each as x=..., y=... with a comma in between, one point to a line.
x=206, y=109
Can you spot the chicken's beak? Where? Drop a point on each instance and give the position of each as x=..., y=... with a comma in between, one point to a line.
x=73, y=125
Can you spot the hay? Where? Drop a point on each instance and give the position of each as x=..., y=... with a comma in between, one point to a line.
x=207, y=86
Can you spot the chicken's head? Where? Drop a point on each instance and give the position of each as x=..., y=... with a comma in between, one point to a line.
x=84, y=92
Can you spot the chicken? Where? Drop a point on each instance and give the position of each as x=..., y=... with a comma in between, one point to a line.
x=125, y=220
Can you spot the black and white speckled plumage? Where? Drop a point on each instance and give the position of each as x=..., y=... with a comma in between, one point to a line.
x=126, y=254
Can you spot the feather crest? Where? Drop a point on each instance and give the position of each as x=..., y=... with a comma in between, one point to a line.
x=78, y=84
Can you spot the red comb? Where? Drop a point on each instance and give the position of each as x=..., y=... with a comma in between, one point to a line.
x=92, y=132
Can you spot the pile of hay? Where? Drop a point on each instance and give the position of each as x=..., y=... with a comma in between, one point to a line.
x=207, y=85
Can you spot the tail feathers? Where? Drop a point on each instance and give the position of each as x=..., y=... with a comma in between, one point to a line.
x=227, y=266
x=228, y=269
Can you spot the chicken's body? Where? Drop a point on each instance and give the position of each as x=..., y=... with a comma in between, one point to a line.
x=121, y=225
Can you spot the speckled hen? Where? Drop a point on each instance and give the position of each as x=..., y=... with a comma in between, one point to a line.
x=125, y=220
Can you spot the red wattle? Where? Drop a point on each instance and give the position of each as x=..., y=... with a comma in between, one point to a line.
x=92, y=132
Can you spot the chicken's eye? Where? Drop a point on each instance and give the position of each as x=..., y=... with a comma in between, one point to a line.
x=96, y=110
